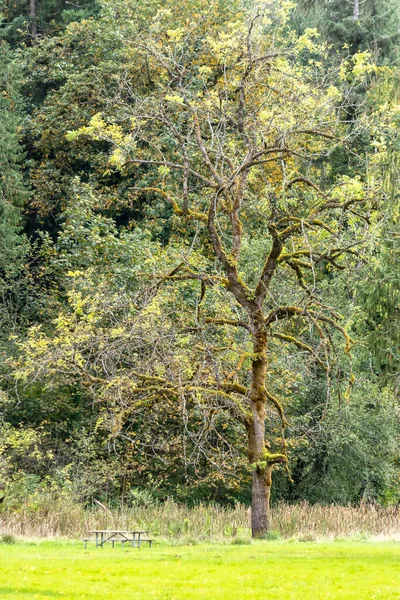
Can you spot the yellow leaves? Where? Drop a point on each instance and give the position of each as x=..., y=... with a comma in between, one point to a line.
x=228, y=44
x=305, y=41
x=185, y=341
x=266, y=115
x=362, y=64
x=93, y=130
x=71, y=136
x=20, y=439
x=74, y=274
x=117, y=158
x=174, y=98
x=117, y=332
x=153, y=308
x=97, y=122
x=334, y=93
x=358, y=66
x=349, y=188
x=205, y=70
x=175, y=35
x=163, y=170
x=284, y=9
x=204, y=73
x=343, y=70
x=98, y=129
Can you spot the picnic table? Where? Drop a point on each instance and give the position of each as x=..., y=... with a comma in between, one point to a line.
x=117, y=535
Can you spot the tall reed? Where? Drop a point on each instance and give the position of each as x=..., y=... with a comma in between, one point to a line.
x=63, y=517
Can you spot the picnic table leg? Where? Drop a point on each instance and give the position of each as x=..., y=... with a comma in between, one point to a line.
x=97, y=537
x=113, y=543
x=138, y=542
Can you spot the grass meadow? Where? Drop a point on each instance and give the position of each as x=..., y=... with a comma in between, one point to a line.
x=257, y=570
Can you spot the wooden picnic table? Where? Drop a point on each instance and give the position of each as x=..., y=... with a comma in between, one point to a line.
x=112, y=535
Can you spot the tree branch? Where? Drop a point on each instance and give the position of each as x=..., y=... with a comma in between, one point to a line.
x=164, y=163
x=269, y=266
x=227, y=322
x=301, y=345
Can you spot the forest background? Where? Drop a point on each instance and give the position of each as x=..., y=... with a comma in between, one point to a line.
x=104, y=280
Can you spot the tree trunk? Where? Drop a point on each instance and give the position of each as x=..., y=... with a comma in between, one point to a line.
x=356, y=10
x=32, y=16
x=260, y=491
x=260, y=494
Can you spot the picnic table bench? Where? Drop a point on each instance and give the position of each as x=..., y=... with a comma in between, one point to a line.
x=134, y=538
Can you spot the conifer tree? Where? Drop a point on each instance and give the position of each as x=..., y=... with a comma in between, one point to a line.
x=12, y=188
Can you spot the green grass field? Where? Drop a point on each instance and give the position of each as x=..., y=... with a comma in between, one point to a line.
x=261, y=570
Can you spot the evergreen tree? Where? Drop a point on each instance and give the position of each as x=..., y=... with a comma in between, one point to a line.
x=352, y=26
x=12, y=188
x=24, y=20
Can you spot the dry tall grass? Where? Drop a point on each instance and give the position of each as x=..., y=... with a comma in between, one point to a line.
x=62, y=517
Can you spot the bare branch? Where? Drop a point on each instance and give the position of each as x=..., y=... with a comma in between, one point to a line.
x=301, y=345
x=177, y=210
x=165, y=163
x=228, y=322
x=269, y=267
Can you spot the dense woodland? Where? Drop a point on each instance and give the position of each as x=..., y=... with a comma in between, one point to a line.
x=199, y=249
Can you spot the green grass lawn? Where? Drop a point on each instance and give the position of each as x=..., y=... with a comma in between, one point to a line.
x=266, y=570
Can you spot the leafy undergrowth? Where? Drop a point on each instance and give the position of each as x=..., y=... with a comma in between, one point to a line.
x=260, y=570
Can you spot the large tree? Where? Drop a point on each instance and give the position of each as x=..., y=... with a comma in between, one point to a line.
x=229, y=119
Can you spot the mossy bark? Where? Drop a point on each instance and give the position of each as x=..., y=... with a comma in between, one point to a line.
x=260, y=495
x=261, y=482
